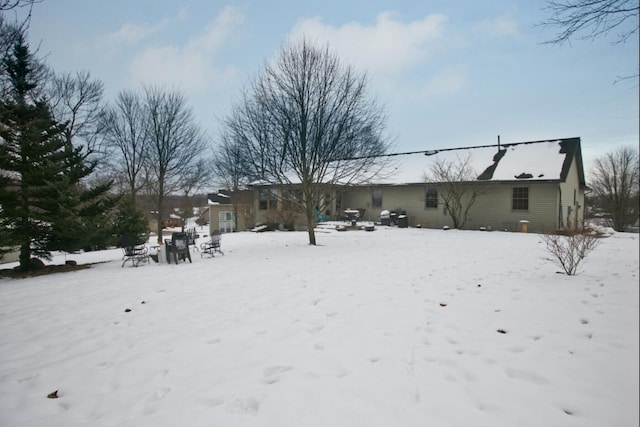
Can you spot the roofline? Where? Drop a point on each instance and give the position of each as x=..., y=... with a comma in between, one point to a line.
x=436, y=151
x=492, y=182
x=569, y=146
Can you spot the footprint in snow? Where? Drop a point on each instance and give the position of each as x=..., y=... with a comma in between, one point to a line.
x=212, y=401
x=243, y=406
x=273, y=374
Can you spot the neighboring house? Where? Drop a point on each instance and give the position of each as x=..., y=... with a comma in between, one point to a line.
x=540, y=182
x=229, y=212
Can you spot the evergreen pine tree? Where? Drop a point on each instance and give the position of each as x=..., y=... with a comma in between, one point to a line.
x=42, y=206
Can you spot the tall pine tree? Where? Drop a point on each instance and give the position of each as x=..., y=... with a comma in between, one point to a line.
x=42, y=206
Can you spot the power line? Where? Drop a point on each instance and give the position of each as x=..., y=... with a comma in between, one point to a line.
x=439, y=150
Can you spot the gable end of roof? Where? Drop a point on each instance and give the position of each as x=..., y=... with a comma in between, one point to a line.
x=571, y=148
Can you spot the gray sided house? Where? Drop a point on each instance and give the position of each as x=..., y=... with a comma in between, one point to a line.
x=538, y=186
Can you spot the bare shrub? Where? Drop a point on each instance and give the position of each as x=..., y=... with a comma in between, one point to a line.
x=569, y=248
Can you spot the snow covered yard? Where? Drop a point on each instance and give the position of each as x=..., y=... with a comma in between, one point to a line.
x=396, y=327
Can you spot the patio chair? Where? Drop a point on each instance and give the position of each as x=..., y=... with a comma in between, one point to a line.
x=177, y=248
x=192, y=235
x=212, y=246
x=133, y=251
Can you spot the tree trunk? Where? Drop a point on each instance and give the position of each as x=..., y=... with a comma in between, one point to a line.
x=310, y=229
x=308, y=209
x=25, y=256
x=159, y=220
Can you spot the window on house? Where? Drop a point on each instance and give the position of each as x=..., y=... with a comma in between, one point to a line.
x=226, y=222
x=267, y=199
x=376, y=198
x=520, y=198
x=431, y=198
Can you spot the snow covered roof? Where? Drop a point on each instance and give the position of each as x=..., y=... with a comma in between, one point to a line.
x=218, y=198
x=526, y=161
x=547, y=160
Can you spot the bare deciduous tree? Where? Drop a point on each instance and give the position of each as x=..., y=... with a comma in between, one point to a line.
x=124, y=131
x=458, y=185
x=307, y=120
x=614, y=184
x=176, y=143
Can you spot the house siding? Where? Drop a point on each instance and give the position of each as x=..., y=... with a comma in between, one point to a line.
x=240, y=213
x=554, y=202
x=409, y=198
x=547, y=211
x=572, y=207
x=492, y=210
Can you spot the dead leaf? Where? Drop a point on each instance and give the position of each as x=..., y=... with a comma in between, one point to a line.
x=53, y=395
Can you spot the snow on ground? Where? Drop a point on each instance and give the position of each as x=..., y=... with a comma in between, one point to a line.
x=395, y=327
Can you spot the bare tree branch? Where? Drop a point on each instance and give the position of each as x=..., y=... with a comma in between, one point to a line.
x=76, y=100
x=9, y=32
x=592, y=18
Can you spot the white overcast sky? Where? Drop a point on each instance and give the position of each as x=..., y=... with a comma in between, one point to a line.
x=449, y=73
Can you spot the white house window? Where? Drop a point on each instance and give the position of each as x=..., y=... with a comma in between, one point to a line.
x=431, y=198
x=227, y=221
x=376, y=198
x=520, y=201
